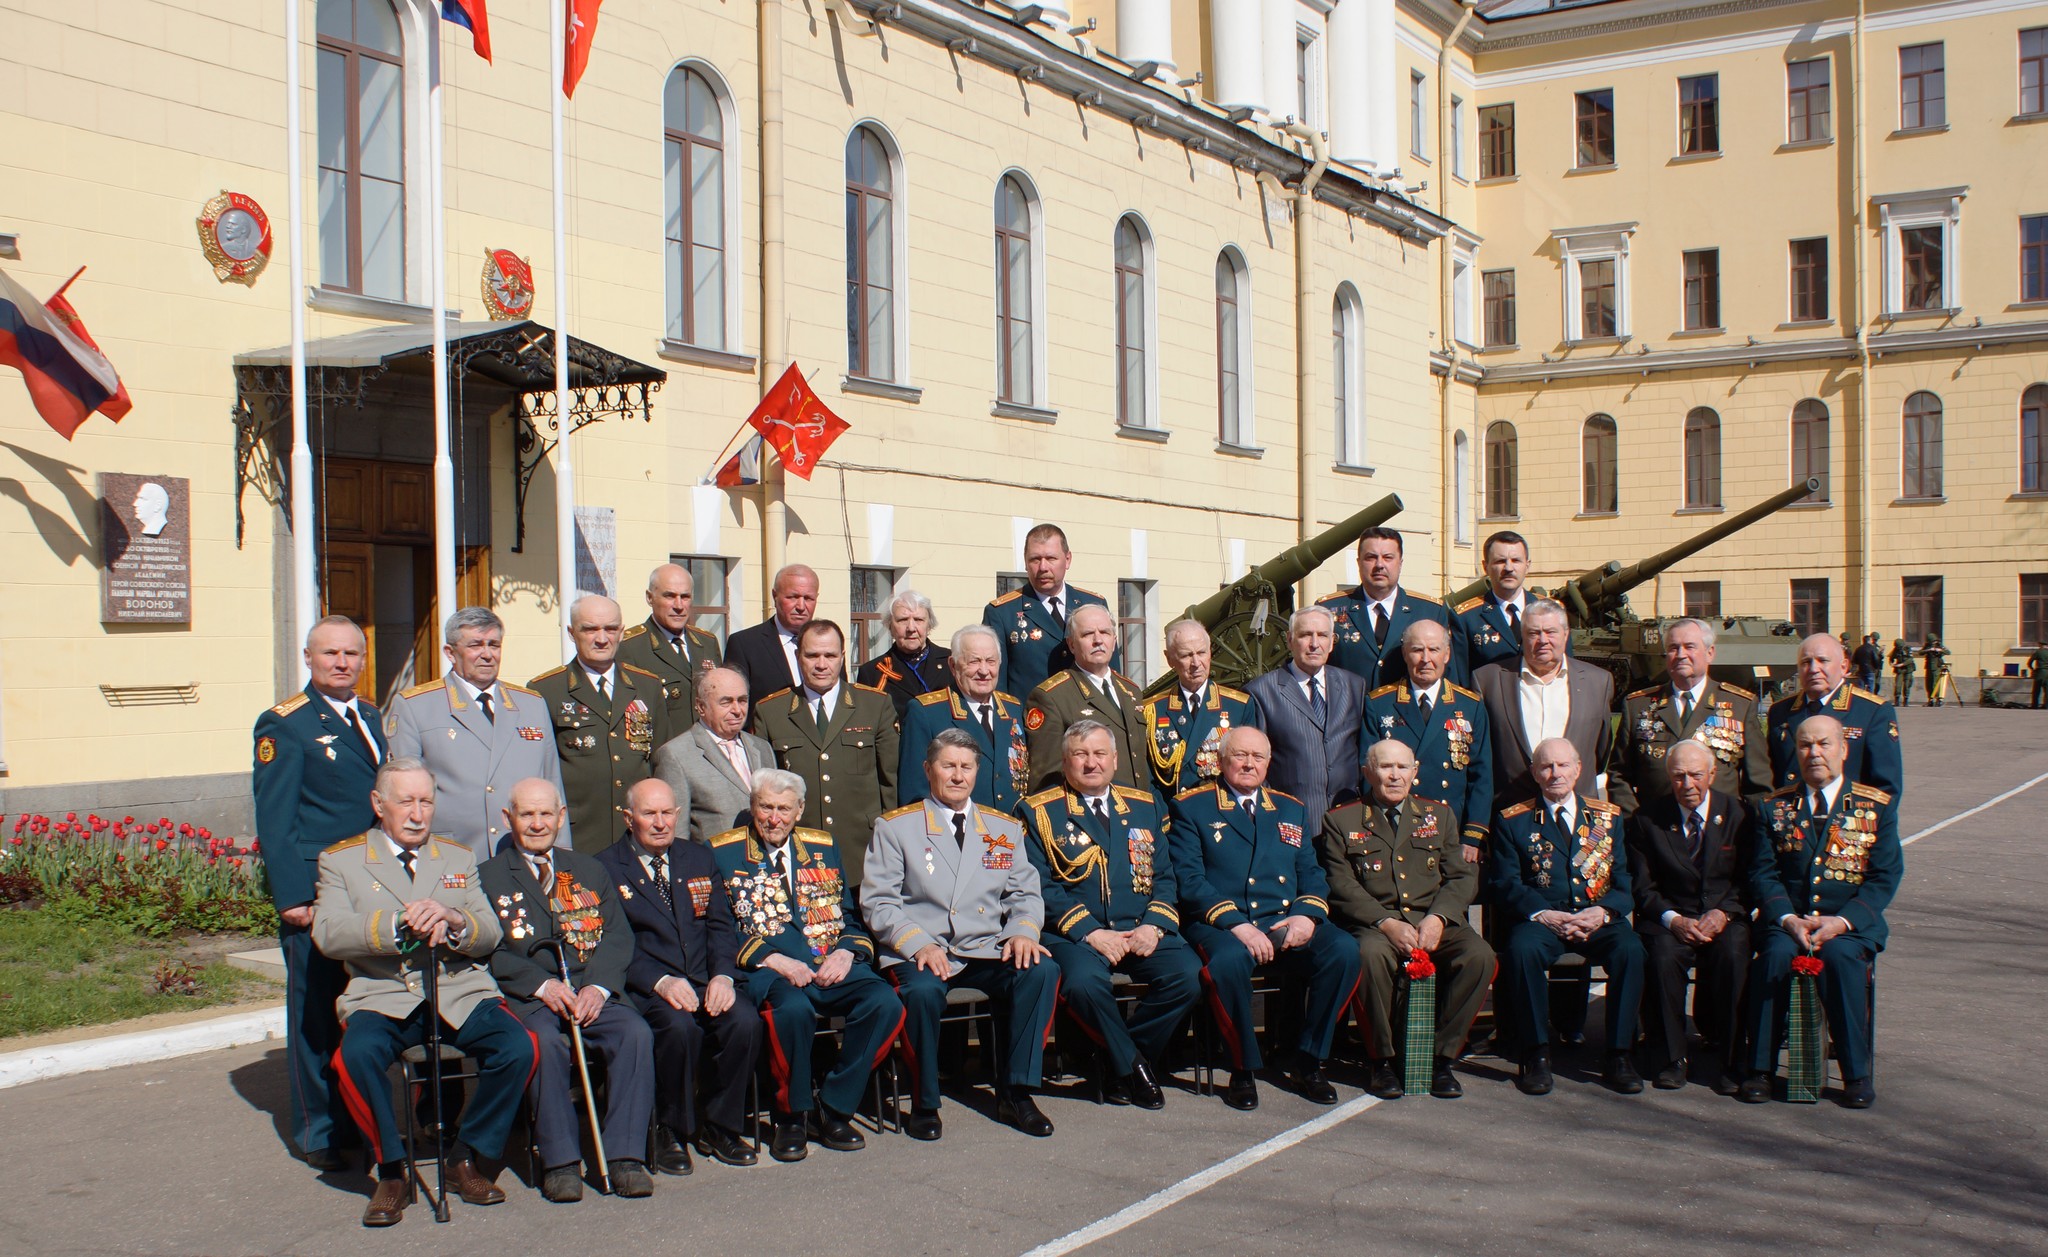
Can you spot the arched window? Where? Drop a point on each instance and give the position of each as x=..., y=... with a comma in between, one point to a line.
x=2034, y=439
x=1503, y=471
x=1347, y=351
x=1600, y=457
x=1810, y=446
x=1135, y=324
x=361, y=99
x=1019, y=329
x=1233, y=350
x=696, y=182
x=1702, y=459
x=873, y=297
x=1461, y=488
x=1920, y=447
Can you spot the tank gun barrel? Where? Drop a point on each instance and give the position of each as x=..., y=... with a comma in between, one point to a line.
x=1293, y=564
x=1599, y=593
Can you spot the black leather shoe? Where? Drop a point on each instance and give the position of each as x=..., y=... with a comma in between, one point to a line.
x=328, y=1160
x=923, y=1124
x=1307, y=1081
x=1755, y=1089
x=720, y=1144
x=1443, y=1084
x=562, y=1185
x=1620, y=1074
x=835, y=1132
x=629, y=1178
x=1535, y=1079
x=1859, y=1093
x=1116, y=1091
x=670, y=1156
x=790, y=1143
x=1143, y=1087
x=1021, y=1112
x=1243, y=1091
x=1670, y=1078
x=1386, y=1081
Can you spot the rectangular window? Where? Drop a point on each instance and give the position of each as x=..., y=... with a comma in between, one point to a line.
x=1808, y=106
x=2033, y=609
x=1418, y=115
x=1699, y=114
x=1594, y=125
x=1703, y=599
x=2034, y=71
x=1920, y=276
x=2034, y=257
x=1500, y=308
x=1011, y=582
x=1920, y=608
x=1923, y=100
x=868, y=614
x=1809, y=606
x=1133, y=635
x=1810, y=280
x=1461, y=300
x=1597, y=311
x=1702, y=289
x=1459, y=166
x=1497, y=142
x=708, y=609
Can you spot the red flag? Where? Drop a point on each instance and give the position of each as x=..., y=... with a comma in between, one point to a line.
x=470, y=14
x=117, y=405
x=582, y=29
x=795, y=423
x=743, y=468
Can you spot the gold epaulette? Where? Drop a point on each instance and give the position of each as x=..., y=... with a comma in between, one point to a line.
x=1282, y=794
x=1519, y=809
x=1007, y=598
x=523, y=689
x=1602, y=805
x=1469, y=603
x=638, y=630
x=936, y=696
x=1863, y=693
x=1133, y=792
x=905, y=810
x=1384, y=690
x=1239, y=695
x=1422, y=597
x=1783, y=791
x=1455, y=688
x=346, y=843
x=706, y=634
x=627, y=667
x=1736, y=689
x=815, y=837
x=1340, y=594
x=727, y=838
x=1121, y=677
x=290, y=705
x=425, y=687
x=450, y=842
x=1870, y=792
x=1052, y=682
x=1091, y=593
x=1192, y=791
x=1044, y=796
x=551, y=672
x=769, y=698
x=872, y=689
x=1008, y=698
x=1646, y=692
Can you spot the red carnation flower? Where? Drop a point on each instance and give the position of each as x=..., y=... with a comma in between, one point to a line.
x=1806, y=966
x=1420, y=966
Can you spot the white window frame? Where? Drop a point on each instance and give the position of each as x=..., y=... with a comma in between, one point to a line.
x=1464, y=286
x=1418, y=99
x=1461, y=488
x=1246, y=436
x=1937, y=207
x=1041, y=372
x=1459, y=164
x=420, y=70
x=1311, y=26
x=1351, y=432
x=1149, y=251
x=729, y=198
x=1609, y=241
x=899, y=238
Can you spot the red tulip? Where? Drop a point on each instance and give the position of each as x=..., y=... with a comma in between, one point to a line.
x=70, y=816
x=152, y=827
x=163, y=844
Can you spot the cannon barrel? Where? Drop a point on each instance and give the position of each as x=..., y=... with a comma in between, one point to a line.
x=1597, y=594
x=1293, y=564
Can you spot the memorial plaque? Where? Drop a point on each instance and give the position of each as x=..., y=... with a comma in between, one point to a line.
x=145, y=549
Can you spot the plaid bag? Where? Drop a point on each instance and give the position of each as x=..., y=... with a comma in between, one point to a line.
x=1418, y=1036
x=1805, y=1060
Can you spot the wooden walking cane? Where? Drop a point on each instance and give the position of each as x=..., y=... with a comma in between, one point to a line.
x=604, y=1178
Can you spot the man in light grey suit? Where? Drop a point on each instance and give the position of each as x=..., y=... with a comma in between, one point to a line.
x=478, y=735
x=952, y=901
x=703, y=766
x=1312, y=713
x=1546, y=694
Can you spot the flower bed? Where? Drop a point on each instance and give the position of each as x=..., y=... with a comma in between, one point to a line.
x=155, y=877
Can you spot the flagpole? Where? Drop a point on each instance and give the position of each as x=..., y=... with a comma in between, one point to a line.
x=565, y=484
x=305, y=574
x=444, y=464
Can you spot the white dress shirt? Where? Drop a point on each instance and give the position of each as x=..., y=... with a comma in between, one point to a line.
x=471, y=692
x=1683, y=696
x=605, y=682
x=830, y=698
x=1671, y=915
x=1433, y=692
x=345, y=710
x=1546, y=705
x=787, y=636
x=1301, y=680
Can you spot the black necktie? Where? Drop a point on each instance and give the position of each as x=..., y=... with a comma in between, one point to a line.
x=483, y=700
x=1101, y=813
x=1379, y=624
x=356, y=724
x=1052, y=605
x=988, y=723
x=408, y=859
x=960, y=830
x=1695, y=840
x=662, y=886
x=1195, y=701
x=602, y=691
x=1109, y=694
x=1393, y=820
x=781, y=867
x=818, y=715
x=676, y=644
x=1514, y=621
x=1684, y=709
x=1315, y=694
x=1422, y=701
x=1557, y=819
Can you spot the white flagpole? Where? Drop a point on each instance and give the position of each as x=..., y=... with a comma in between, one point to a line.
x=305, y=574
x=565, y=483
x=444, y=464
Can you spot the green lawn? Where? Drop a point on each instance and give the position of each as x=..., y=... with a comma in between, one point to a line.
x=55, y=975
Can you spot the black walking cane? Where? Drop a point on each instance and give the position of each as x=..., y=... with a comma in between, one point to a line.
x=411, y=942
x=554, y=945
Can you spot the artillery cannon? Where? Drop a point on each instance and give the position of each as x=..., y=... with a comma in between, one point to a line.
x=1247, y=619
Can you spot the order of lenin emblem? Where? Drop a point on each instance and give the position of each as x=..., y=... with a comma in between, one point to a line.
x=234, y=232
x=508, y=285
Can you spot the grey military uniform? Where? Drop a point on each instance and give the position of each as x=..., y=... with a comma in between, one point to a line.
x=607, y=745
x=1725, y=721
x=921, y=887
x=646, y=646
x=1066, y=699
x=363, y=893
x=476, y=760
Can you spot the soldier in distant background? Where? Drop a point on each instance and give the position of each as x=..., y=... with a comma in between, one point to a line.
x=2037, y=668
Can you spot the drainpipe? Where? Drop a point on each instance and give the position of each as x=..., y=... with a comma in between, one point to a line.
x=1447, y=312
x=1305, y=408
x=774, y=328
x=1863, y=591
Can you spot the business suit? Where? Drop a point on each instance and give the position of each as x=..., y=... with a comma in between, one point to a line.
x=907, y=678
x=312, y=778
x=356, y=918
x=606, y=743
x=1034, y=643
x=1453, y=748
x=688, y=933
x=1065, y=700
x=1868, y=722
x=848, y=766
x=476, y=759
x=756, y=652
x=1184, y=743
x=1315, y=757
x=1587, y=727
x=1004, y=774
x=583, y=911
x=1724, y=720
x=707, y=787
x=1667, y=877
x=967, y=891
x=677, y=666
x=1359, y=649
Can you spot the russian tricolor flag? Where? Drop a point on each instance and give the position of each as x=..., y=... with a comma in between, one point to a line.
x=470, y=14
x=68, y=377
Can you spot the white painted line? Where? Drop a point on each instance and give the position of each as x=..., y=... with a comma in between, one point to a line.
x=1130, y=1216
x=1987, y=804
x=141, y=1047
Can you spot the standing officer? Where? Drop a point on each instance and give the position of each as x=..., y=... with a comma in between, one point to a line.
x=1400, y=884
x=1869, y=724
x=1689, y=706
x=975, y=706
x=1106, y=871
x=1248, y=877
x=2037, y=668
x=1445, y=725
x=841, y=739
x=316, y=759
x=912, y=667
x=806, y=960
x=477, y=734
x=609, y=717
x=1092, y=689
x=1185, y=727
x=765, y=653
x=950, y=903
x=1313, y=713
x=1488, y=629
x=1371, y=617
x=542, y=891
x=669, y=646
x=683, y=979
x=1033, y=620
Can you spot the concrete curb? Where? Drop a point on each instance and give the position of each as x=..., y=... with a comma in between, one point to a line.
x=114, y=1050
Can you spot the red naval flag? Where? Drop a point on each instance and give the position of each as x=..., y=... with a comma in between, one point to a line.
x=581, y=31
x=795, y=423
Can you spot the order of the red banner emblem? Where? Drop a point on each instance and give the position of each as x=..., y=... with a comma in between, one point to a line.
x=508, y=285
x=796, y=423
x=234, y=233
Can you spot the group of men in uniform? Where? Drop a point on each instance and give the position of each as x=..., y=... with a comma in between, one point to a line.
x=722, y=851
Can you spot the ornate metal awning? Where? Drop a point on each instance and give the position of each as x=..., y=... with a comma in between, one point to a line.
x=518, y=358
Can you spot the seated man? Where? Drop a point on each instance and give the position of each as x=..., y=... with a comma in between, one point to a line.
x=1688, y=860
x=950, y=902
x=1107, y=876
x=1400, y=883
x=807, y=960
x=683, y=979
x=547, y=894
x=1827, y=861
x=1249, y=880
x=390, y=903
x=1561, y=884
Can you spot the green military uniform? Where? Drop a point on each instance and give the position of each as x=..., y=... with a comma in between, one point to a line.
x=1901, y=657
x=606, y=744
x=1066, y=699
x=1724, y=720
x=848, y=767
x=2037, y=668
x=649, y=648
